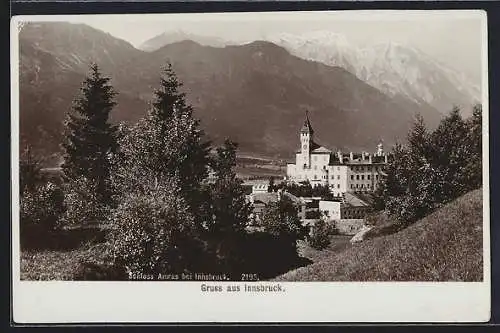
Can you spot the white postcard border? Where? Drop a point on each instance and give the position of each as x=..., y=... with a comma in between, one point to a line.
x=179, y=302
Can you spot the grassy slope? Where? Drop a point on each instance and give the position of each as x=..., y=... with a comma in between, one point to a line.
x=58, y=264
x=447, y=245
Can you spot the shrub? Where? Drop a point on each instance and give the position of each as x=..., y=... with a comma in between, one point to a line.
x=281, y=220
x=41, y=210
x=82, y=204
x=153, y=232
x=319, y=237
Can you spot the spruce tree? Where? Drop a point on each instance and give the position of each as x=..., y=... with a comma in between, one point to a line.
x=474, y=166
x=166, y=144
x=450, y=142
x=30, y=174
x=229, y=209
x=90, y=139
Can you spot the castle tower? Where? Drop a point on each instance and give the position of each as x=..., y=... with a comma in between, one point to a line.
x=380, y=149
x=306, y=137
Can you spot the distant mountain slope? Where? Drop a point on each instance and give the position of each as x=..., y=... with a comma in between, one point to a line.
x=447, y=245
x=255, y=93
x=157, y=42
x=398, y=70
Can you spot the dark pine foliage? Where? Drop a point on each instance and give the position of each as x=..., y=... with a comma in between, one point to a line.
x=90, y=139
x=433, y=168
x=166, y=144
x=30, y=175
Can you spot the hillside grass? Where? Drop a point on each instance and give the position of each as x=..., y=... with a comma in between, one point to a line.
x=60, y=265
x=447, y=245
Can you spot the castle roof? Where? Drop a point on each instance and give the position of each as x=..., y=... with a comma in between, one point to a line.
x=307, y=128
x=321, y=149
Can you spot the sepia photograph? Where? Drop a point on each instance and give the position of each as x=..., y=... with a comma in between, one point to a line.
x=240, y=153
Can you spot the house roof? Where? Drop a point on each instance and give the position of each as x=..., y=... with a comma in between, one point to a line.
x=322, y=150
x=352, y=200
x=265, y=197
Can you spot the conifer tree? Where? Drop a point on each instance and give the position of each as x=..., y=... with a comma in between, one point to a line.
x=474, y=166
x=166, y=144
x=90, y=140
x=451, y=152
x=225, y=211
x=229, y=209
x=30, y=174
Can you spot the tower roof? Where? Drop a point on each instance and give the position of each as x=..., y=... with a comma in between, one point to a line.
x=307, y=128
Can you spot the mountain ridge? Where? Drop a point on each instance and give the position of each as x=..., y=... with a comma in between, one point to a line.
x=255, y=93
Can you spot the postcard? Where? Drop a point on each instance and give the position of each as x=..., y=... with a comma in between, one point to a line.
x=250, y=167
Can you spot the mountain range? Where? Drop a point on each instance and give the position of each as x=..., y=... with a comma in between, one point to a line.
x=255, y=93
x=395, y=69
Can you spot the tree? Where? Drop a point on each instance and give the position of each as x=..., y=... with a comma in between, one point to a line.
x=226, y=211
x=229, y=209
x=166, y=143
x=434, y=168
x=271, y=186
x=473, y=169
x=89, y=138
x=281, y=220
x=153, y=232
x=30, y=174
x=319, y=238
x=40, y=211
x=451, y=152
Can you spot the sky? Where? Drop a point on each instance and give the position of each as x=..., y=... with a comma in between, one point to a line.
x=452, y=37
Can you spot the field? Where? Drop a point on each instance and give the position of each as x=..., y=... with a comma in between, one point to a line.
x=250, y=168
x=444, y=246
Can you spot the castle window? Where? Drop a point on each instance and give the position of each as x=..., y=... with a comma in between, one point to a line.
x=357, y=185
x=333, y=177
x=357, y=177
x=368, y=185
x=315, y=176
x=376, y=176
x=338, y=176
x=362, y=177
x=352, y=177
x=368, y=177
x=352, y=186
x=338, y=185
x=324, y=167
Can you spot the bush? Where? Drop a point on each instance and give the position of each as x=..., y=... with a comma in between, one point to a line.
x=82, y=204
x=41, y=210
x=319, y=237
x=433, y=168
x=153, y=233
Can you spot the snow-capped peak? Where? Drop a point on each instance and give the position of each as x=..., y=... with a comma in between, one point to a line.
x=393, y=67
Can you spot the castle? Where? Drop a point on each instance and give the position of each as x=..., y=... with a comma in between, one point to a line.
x=352, y=172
